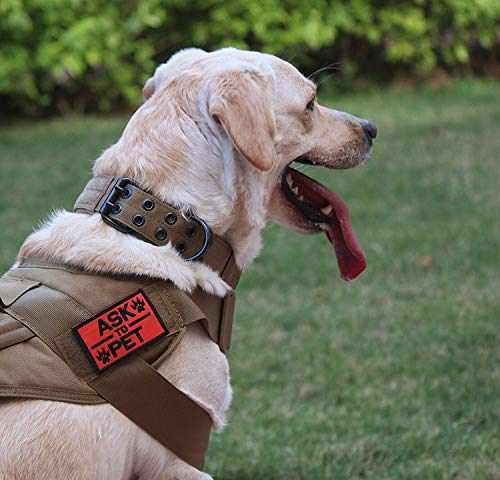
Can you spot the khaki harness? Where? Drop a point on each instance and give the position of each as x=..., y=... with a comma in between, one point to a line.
x=71, y=336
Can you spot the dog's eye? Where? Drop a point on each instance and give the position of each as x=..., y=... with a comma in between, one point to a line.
x=310, y=105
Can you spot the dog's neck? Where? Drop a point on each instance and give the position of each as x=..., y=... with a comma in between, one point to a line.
x=199, y=173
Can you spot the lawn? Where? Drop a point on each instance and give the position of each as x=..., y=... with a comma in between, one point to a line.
x=392, y=376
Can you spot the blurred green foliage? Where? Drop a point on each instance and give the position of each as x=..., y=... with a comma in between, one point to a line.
x=69, y=55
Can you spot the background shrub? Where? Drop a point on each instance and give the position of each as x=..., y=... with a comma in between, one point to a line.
x=81, y=55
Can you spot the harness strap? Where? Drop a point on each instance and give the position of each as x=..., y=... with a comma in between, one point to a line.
x=138, y=391
x=132, y=386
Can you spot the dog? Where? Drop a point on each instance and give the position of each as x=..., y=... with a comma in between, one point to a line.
x=216, y=134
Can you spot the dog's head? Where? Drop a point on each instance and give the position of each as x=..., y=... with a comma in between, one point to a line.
x=226, y=126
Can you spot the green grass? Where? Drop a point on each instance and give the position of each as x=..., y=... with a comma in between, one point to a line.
x=393, y=376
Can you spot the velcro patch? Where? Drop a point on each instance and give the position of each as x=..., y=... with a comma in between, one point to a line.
x=119, y=330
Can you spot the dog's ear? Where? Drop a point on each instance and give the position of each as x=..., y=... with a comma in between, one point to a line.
x=149, y=88
x=161, y=75
x=241, y=101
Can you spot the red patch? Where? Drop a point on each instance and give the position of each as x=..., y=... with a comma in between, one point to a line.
x=119, y=330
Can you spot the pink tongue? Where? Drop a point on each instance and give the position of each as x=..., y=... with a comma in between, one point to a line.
x=350, y=257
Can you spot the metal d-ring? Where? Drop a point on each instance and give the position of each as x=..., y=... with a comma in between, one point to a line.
x=206, y=242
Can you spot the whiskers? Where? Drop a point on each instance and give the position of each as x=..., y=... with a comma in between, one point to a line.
x=334, y=67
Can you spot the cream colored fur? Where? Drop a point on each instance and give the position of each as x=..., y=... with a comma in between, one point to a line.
x=213, y=136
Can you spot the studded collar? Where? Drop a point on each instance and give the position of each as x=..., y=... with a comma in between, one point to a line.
x=124, y=205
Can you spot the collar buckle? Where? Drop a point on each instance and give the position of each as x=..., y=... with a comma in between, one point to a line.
x=119, y=189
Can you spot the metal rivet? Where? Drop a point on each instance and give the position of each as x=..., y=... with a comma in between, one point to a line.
x=116, y=208
x=161, y=234
x=190, y=231
x=148, y=204
x=171, y=218
x=138, y=220
x=126, y=192
x=181, y=247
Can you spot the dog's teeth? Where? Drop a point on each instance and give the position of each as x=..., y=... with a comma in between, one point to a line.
x=289, y=179
x=301, y=198
x=295, y=190
x=327, y=210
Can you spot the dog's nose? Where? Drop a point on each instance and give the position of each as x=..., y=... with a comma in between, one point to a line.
x=370, y=130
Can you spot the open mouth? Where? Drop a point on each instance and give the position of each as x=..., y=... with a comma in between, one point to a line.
x=325, y=211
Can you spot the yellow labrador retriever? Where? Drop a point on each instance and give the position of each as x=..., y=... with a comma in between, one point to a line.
x=216, y=134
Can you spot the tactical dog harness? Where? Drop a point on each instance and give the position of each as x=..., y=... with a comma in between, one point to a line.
x=71, y=336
